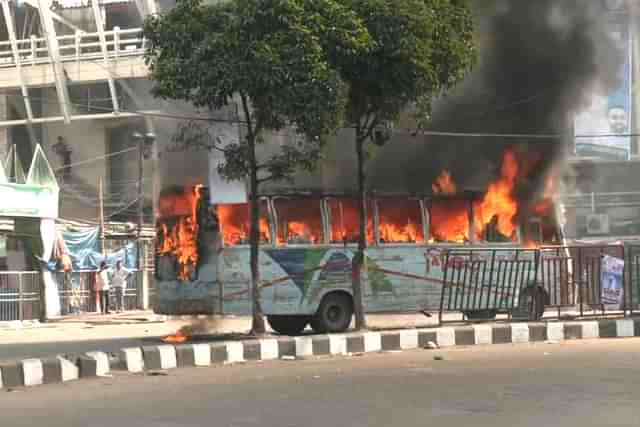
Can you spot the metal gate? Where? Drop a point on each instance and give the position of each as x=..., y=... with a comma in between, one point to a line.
x=20, y=295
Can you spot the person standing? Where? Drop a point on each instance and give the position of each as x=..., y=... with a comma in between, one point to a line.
x=119, y=283
x=102, y=285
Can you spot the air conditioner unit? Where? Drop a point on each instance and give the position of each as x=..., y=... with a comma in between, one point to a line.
x=598, y=224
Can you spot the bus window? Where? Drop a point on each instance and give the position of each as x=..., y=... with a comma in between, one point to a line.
x=234, y=223
x=400, y=221
x=345, y=222
x=299, y=221
x=449, y=221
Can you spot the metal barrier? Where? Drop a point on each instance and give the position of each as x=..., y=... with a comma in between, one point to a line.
x=20, y=296
x=484, y=282
x=571, y=276
x=481, y=282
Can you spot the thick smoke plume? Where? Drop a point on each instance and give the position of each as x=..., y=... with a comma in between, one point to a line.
x=538, y=62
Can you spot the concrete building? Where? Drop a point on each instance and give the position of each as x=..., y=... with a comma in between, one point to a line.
x=602, y=195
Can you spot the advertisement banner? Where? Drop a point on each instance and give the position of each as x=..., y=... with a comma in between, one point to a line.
x=609, y=114
x=33, y=201
x=612, y=279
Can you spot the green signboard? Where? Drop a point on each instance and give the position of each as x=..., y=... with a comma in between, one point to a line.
x=22, y=200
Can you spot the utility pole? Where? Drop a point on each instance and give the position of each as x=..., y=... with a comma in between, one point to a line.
x=145, y=147
x=102, y=243
x=140, y=141
x=101, y=200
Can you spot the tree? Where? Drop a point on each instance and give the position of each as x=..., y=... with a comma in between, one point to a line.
x=273, y=57
x=420, y=48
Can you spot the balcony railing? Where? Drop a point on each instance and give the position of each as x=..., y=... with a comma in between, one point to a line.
x=75, y=47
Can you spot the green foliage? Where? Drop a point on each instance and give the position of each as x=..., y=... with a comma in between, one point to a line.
x=274, y=56
x=419, y=49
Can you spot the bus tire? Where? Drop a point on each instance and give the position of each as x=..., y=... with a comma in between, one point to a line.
x=334, y=313
x=288, y=325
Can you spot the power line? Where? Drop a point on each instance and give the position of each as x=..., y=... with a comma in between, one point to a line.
x=123, y=209
x=413, y=131
x=94, y=159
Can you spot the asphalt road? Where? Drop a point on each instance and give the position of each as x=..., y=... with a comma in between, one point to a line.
x=51, y=349
x=581, y=383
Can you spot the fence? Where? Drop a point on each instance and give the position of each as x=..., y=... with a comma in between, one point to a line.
x=20, y=295
x=484, y=282
x=77, y=295
x=481, y=283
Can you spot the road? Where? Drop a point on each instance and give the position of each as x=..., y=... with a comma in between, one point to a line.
x=580, y=383
x=113, y=333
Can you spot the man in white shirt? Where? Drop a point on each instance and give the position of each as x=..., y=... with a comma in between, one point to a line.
x=119, y=283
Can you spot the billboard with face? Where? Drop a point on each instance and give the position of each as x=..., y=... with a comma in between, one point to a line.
x=602, y=128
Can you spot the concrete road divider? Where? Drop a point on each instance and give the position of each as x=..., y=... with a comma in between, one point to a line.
x=34, y=372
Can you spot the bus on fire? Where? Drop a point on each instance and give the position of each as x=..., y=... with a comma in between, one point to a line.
x=308, y=242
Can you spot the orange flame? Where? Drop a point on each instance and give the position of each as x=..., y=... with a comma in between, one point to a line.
x=499, y=205
x=235, y=224
x=449, y=221
x=400, y=221
x=444, y=184
x=181, y=336
x=497, y=209
x=181, y=239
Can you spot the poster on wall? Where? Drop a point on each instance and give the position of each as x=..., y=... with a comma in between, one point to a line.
x=612, y=279
x=602, y=129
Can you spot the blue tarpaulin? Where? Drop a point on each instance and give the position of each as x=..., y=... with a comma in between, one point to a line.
x=84, y=250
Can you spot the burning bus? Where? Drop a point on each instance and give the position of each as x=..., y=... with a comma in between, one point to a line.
x=308, y=240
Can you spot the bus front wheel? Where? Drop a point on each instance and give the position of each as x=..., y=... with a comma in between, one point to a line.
x=288, y=325
x=334, y=314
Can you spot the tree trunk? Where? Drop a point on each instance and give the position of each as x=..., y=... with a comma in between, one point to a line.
x=257, y=323
x=358, y=260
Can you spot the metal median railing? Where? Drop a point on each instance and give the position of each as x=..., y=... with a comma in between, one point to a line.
x=525, y=283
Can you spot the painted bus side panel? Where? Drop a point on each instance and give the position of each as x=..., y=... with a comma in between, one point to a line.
x=294, y=280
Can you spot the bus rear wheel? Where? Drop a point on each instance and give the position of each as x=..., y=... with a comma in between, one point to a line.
x=288, y=325
x=334, y=314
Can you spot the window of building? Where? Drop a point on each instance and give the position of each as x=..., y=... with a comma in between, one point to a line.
x=299, y=221
x=345, y=220
x=400, y=221
x=235, y=224
x=449, y=221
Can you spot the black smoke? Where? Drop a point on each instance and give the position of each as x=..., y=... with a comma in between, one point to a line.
x=538, y=62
